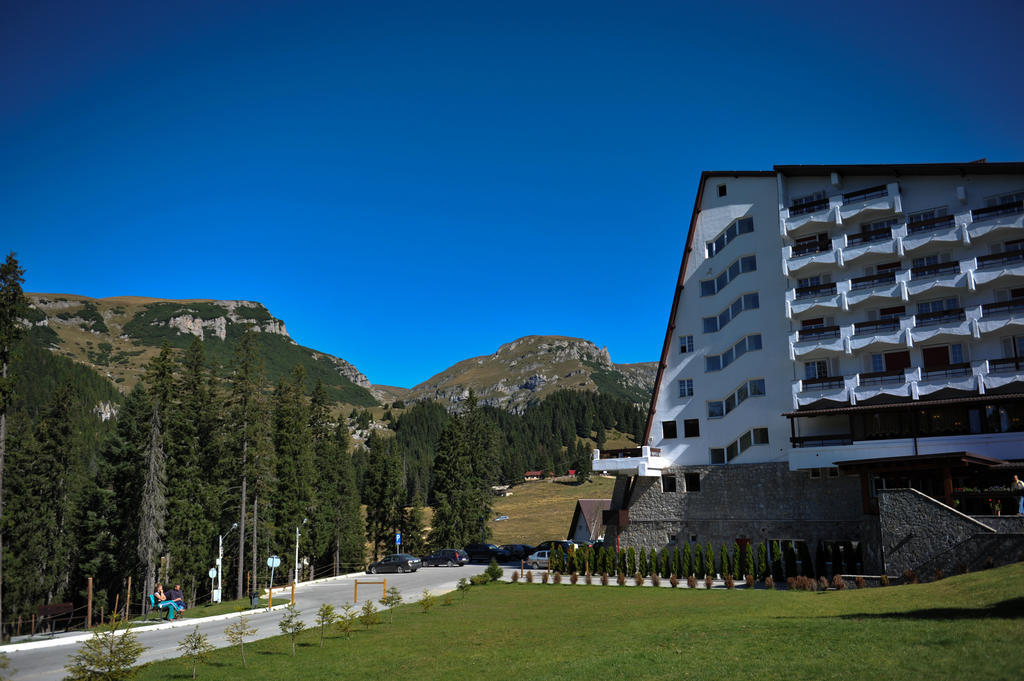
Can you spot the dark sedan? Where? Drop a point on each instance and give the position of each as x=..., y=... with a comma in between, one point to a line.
x=447, y=557
x=517, y=551
x=483, y=553
x=396, y=562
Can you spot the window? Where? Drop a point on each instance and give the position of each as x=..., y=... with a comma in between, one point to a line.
x=741, y=226
x=692, y=482
x=749, y=301
x=691, y=428
x=668, y=483
x=751, y=438
x=668, y=430
x=1004, y=198
x=752, y=388
x=816, y=369
x=747, y=263
x=937, y=305
x=686, y=387
x=721, y=190
x=716, y=410
x=685, y=344
x=743, y=346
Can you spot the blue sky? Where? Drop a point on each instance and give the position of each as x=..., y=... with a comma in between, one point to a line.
x=411, y=184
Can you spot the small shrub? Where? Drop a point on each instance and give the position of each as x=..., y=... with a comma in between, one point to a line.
x=909, y=577
x=481, y=579
x=883, y=580
x=447, y=599
x=604, y=579
x=989, y=563
x=621, y=579
x=838, y=583
x=426, y=601
x=515, y=576
x=529, y=576
x=769, y=582
x=368, y=614
x=729, y=583
x=494, y=570
x=557, y=579
x=802, y=583
x=674, y=581
x=937, y=574
x=823, y=583
x=638, y=579
x=791, y=583
x=589, y=578
x=963, y=568
x=749, y=580
x=859, y=581
x=691, y=581
x=708, y=582
x=655, y=579
x=463, y=587
x=574, y=577
x=544, y=577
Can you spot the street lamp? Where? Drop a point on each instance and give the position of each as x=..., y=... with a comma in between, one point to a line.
x=220, y=562
x=297, y=550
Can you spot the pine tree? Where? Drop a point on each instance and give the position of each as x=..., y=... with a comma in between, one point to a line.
x=698, y=561
x=383, y=494
x=12, y=310
x=451, y=525
x=677, y=563
x=762, y=561
x=153, y=510
x=666, y=563
x=686, y=565
x=642, y=562
x=412, y=527
x=725, y=563
x=325, y=510
x=350, y=541
x=293, y=447
x=709, y=560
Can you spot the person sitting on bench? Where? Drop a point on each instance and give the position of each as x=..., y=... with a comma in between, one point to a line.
x=176, y=596
x=158, y=599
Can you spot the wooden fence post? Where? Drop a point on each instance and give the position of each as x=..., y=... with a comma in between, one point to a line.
x=88, y=607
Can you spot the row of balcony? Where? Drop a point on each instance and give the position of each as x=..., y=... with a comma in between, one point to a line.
x=903, y=284
x=865, y=205
x=898, y=241
x=897, y=332
x=974, y=377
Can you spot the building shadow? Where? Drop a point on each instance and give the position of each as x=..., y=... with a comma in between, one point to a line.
x=1010, y=609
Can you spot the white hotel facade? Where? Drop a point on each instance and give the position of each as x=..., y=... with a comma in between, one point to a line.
x=859, y=326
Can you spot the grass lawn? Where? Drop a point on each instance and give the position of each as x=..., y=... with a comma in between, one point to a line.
x=542, y=509
x=964, y=627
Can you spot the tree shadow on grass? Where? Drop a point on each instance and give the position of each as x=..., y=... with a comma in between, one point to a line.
x=1008, y=610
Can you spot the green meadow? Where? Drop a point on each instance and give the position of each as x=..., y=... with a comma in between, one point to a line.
x=964, y=627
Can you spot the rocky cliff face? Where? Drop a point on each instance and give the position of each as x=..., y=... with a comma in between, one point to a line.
x=532, y=367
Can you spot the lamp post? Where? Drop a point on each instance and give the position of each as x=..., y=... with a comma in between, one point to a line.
x=297, y=550
x=220, y=560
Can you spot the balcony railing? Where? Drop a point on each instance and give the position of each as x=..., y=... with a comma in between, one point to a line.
x=996, y=309
x=819, y=246
x=865, y=194
x=879, y=326
x=819, y=333
x=808, y=207
x=1008, y=365
x=1009, y=208
x=941, y=222
x=883, y=378
x=947, y=371
x=873, y=280
x=997, y=260
x=630, y=453
x=822, y=440
x=815, y=291
x=940, y=317
x=936, y=270
x=869, y=237
x=823, y=383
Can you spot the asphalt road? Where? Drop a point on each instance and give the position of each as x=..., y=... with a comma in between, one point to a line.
x=45, y=660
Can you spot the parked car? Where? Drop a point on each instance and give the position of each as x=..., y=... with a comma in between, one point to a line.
x=548, y=545
x=484, y=552
x=447, y=557
x=517, y=551
x=538, y=559
x=396, y=562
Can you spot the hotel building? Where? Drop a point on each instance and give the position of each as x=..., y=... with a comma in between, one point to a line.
x=836, y=332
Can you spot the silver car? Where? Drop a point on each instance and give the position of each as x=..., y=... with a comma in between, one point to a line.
x=538, y=559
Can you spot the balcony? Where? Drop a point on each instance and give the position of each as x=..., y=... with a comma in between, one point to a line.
x=871, y=281
x=931, y=232
x=939, y=275
x=998, y=267
x=808, y=207
x=998, y=316
x=887, y=325
x=941, y=317
x=943, y=325
x=869, y=237
x=882, y=379
x=839, y=440
x=822, y=384
x=818, y=333
x=1008, y=365
x=816, y=291
x=642, y=461
x=804, y=253
x=984, y=221
x=880, y=335
x=870, y=202
x=946, y=372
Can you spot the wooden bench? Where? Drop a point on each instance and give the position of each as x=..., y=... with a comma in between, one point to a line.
x=51, y=613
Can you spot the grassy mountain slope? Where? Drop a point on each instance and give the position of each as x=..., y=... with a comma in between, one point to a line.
x=533, y=367
x=119, y=336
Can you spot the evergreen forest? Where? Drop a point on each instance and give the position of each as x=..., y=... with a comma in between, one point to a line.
x=192, y=456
